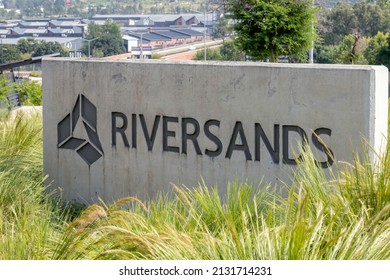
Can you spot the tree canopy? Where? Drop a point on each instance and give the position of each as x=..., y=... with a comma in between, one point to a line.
x=269, y=29
x=383, y=56
x=104, y=40
x=364, y=18
x=35, y=47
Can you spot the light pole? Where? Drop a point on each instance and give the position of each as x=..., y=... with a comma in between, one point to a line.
x=205, y=20
x=311, y=51
x=1, y=40
x=89, y=45
x=141, y=49
x=139, y=35
x=140, y=43
x=204, y=34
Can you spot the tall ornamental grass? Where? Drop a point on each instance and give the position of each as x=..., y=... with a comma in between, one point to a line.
x=344, y=216
x=28, y=220
x=341, y=214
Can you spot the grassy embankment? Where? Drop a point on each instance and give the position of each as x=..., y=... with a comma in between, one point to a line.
x=344, y=217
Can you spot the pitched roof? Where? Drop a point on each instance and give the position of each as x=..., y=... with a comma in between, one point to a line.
x=61, y=23
x=34, y=23
x=164, y=18
x=5, y=31
x=61, y=40
x=189, y=31
x=170, y=34
x=8, y=24
x=58, y=30
x=149, y=37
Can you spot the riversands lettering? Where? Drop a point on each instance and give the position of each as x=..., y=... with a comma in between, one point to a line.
x=188, y=131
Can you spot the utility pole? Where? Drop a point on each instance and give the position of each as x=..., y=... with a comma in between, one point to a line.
x=89, y=45
x=140, y=44
x=1, y=40
x=311, y=51
x=204, y=34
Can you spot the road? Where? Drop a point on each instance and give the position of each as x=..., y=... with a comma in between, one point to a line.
x=184, y=52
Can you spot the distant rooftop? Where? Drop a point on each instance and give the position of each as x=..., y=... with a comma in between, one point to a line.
x=170, y=34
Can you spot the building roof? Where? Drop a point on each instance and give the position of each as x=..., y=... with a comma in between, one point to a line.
x=61, y=40
x=36, y=19
x=70, y=19
x=30, y=30
x=170, y=34
x=130, y=38
x=156, y=17
x=189, y=31
x=114, y=16
x=34, y=24
x=165, y=18
x=60, y=23
x=5, y=31
x=58, y=30
x=149, y=37
x=7, y=24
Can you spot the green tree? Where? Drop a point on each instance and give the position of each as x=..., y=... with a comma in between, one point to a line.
x=106, y=38
x=374, y=46
x=58, y=7
x=230, y=52
x=383, y=3
x=268, y=29
x=30, y=93
x=211, y=54
x=10, y=53
x=45, y=48
x=351, y=50
x=34, y=47
x=223, y=29
x=325, y=54
x=26, y=45
x=384, y=54
x=339, y=22
x=371, y=18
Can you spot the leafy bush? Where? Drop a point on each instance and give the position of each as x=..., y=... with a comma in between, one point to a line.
x=5, y=89
x=30, y=93
x=35, y=74
x=211, y=54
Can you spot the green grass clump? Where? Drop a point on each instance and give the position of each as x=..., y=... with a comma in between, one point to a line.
x=345, y=217
x=341, y=214
x=28, y=220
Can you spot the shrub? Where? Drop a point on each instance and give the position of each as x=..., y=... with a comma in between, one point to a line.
x=30, y=93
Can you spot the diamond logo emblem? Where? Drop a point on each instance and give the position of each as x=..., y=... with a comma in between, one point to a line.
x=84, y=113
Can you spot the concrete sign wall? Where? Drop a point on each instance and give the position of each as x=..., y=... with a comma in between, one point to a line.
x=120, y=128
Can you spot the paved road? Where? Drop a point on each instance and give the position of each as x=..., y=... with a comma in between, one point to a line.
x=186, y=48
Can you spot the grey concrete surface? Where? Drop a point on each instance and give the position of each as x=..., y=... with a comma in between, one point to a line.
x=212, y=121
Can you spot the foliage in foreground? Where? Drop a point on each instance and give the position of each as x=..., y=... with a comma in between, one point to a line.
x=271, y=29
x=344, y=218
x=30, y=92
x=27, y=218
x=318, y=216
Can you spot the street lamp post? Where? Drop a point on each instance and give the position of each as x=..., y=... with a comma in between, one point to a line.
x=1, y=40
x=311, y=51
x=204, y=34
x=89, y=45
x=141, y=48
x=141, y=56
x=205, y=20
